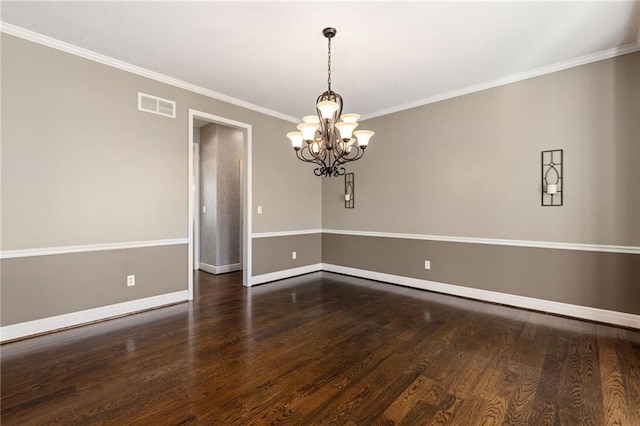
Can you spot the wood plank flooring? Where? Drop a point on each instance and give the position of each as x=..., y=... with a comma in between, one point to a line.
x=325, y=349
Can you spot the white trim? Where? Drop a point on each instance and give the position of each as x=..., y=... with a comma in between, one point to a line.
x=191, y=191
x=197, y=208
x=223, y=269
x=287, y=273
x=115, y=63
x=576, y=311
x=286, y=233
x=45, y=325
x=493, y=241
x=583, y=60
x=10, y=254
x=247, y=193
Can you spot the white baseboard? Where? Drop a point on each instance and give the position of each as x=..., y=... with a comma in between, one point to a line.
x=576, y=311
x=220, y=269
x=287, y=273
x=44, y=325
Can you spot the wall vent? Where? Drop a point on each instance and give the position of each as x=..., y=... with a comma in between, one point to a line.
x=156, y=105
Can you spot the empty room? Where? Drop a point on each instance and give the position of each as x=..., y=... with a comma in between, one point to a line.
x=320, y=212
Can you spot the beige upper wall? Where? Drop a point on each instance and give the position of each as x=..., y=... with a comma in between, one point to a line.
x=470, y=166
x=81, y=165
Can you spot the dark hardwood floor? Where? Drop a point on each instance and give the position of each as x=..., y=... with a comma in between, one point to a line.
x=324, y=348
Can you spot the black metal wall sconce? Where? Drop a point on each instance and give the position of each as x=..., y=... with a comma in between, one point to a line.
x=349, y=190
x=552, y=174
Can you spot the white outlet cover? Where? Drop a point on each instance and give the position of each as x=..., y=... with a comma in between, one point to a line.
x=131, y=280
x=294, y=254
x=427, y=264
x=259, y=209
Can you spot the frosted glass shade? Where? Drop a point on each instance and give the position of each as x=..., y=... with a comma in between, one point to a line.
x=308, y=130
x=327, y=108
x=346, y=129
x=296, y=139
x=350, y=118
x=311, y=119
x=363, y=137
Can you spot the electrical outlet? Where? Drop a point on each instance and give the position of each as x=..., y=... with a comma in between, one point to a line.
x=259, y=209
x=427, y=264
x=131, y=280
x=293, y=255
x=204, y=209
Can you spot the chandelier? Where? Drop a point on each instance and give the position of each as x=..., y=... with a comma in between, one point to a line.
x=328, y=139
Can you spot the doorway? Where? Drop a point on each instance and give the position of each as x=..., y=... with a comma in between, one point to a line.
x=204, y=215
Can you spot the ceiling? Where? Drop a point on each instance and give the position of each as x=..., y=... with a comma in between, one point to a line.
x=387, y=56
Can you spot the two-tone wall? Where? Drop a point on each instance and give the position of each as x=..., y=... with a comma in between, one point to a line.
x=94, y=190
x=458, y=183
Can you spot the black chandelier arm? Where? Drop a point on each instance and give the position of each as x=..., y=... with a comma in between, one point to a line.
x=309, y=158
x=339, y=171
x=355, y=154
x=329, y=171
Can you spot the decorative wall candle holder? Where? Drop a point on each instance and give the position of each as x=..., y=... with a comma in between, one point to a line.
x=348, y=191
x=552, y=175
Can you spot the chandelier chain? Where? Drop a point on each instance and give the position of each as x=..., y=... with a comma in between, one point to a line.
x=329, y=63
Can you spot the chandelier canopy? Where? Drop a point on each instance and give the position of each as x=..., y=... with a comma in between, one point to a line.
x=328, y=139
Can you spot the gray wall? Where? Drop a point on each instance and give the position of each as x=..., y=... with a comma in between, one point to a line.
x=599, y=280
x=221, y=150
x=92, y=169
x=276, y=252
x=470, y=167
x=45, y=286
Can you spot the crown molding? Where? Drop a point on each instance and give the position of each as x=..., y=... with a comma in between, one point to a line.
x=115, y=63
x=583, y=60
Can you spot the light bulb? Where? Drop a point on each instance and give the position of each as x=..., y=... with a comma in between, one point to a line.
x=346, y=129
x=363, y=137
x=308, y=130
x=327, y=108
x=296, y=139
x=350, y=118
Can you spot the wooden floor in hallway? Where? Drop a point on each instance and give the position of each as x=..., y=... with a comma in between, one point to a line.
x=325, y=349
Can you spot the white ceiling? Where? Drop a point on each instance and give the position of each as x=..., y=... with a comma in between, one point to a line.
x=386, y=55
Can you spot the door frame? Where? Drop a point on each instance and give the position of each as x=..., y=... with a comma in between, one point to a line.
x=245, y=199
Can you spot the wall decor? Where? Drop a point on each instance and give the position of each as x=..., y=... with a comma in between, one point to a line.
x=349, y=190
x=552, y=175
